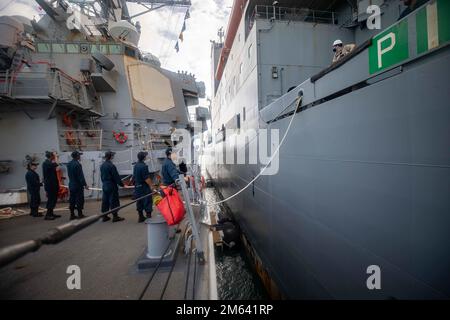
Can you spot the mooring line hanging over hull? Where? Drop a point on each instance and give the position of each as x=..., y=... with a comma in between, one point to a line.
x=299, y=102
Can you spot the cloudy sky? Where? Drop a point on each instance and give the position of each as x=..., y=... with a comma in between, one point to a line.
x=160, y=30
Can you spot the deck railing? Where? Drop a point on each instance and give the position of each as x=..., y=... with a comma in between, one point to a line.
x=293, y=14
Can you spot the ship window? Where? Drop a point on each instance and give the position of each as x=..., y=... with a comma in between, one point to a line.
x=130, y=52
x=58, y=48
x=104, y=48
x=238, y=121
x=73, y=48
x=44, y=47
x=95, y=48
x=243, y=114
x=115, y=49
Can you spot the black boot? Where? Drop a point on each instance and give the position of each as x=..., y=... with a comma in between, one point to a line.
x=141, y=217
x=80, y=214
x=116, y=218
x=72, y=214
x=36, y=213
x=49, y=215
x=106, y=218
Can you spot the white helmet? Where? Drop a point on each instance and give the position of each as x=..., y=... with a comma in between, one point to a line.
x=337, y=42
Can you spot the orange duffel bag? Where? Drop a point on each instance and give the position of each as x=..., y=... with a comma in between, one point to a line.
x=171, y=206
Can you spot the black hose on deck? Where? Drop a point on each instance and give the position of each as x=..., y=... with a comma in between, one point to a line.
x=154, y=271
x=171, y=270
x=55, y=235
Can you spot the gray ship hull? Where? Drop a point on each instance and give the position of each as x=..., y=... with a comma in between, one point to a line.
x=364, y=179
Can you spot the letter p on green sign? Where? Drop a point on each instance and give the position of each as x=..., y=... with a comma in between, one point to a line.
x=389, y=48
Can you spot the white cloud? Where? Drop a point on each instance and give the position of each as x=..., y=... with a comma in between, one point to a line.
x=160, y=31
x=26, y=8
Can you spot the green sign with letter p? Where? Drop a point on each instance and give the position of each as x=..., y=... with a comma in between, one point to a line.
x=389, y=47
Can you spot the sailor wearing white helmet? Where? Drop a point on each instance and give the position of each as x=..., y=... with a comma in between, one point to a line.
x=340, y=51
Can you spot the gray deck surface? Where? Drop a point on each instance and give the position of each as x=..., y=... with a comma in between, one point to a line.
x=106, y=253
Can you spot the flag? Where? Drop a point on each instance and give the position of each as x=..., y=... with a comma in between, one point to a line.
x=181, y=37
x=177, y=47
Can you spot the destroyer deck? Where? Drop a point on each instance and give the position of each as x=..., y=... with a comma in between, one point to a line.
x=106, y=254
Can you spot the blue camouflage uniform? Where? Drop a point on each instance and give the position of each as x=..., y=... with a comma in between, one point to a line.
x=77, y=183
x=140, y=174
x=51, y=183
x=33, y=188
x=169, y=172
x=110, y=186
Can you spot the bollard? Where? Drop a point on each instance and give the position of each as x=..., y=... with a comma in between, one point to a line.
x=157, y=237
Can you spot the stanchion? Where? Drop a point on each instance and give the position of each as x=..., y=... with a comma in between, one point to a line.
x=194, y=226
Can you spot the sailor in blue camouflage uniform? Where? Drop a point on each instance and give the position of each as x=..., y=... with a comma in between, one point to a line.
x=169, y=171
x=110, y=187
x=51, y=184
x=34, y=188
x=77, y=184
x=143, y=186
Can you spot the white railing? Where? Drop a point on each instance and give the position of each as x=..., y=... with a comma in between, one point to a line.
x=293, y=14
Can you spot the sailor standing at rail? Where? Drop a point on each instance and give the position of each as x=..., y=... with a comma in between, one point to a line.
x=77, y=183
x=51, y=184
x=143, y=186
x=169, y=171
x=110, y=187
x=34, y=188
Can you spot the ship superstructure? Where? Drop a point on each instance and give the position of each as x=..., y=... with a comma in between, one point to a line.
x=76, y=80
x=363, y=173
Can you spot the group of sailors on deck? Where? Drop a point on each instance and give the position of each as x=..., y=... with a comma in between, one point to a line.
x=111, y=182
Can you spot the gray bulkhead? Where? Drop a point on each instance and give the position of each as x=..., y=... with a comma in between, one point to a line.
x=363, y=178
